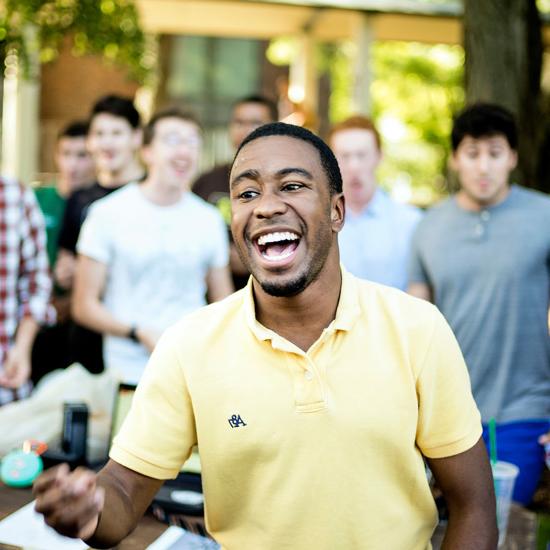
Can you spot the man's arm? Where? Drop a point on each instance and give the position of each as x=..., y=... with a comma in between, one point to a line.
x=420, y=290
x=33, y=292
x=467, y=485
x=64, y=268
x=89, y=310
x=17, y=367
x=218, y=281
x=100, y=508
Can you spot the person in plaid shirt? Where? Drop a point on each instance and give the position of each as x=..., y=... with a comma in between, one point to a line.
x=25, y=286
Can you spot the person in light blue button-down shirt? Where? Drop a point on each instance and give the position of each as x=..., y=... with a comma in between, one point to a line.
x=375, y=241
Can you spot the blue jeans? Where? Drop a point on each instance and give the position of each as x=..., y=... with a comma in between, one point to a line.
x=517, y=443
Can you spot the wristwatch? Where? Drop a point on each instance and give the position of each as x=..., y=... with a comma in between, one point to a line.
x=133, y=334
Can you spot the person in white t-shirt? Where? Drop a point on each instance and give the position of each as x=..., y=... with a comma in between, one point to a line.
x=151, y=251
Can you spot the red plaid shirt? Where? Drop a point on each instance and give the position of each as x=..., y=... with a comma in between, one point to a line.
x=25, y=283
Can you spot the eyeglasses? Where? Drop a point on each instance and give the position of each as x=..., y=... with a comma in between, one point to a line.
x=173, y=139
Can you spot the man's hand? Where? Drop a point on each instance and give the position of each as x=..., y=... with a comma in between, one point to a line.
x=62, y=305
x=543, y=439
x=71, y=502
x=17, y=368
x=148, y=338
x=64, y=269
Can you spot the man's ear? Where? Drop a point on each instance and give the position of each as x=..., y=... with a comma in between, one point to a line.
x=145, y=154
x=513, y=160
x=451, y=161
x=137, y=138
x=379, y=158
x=337, y=211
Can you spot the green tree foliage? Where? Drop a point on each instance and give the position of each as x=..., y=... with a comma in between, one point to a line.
x=416, y=90
x=420, y=87
x=106, y=27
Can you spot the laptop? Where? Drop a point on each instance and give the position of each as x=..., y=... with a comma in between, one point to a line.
x=123, y=402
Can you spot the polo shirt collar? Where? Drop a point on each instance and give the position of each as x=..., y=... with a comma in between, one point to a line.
x=347, y=312
x=348, y=309
x=261, y=332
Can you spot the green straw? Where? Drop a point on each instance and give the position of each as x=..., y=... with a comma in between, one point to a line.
x=493, y=440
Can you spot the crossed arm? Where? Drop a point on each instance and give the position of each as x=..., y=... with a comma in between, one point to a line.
x=87, y=307
x=89, y=310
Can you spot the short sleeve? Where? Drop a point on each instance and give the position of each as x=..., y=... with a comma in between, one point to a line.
x=219, y=256
x=449, y=422
x=95, y=240
x=416, y=270
x=159, y=432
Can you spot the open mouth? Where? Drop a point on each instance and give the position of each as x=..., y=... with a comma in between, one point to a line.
x=277, y=246
x=108, y=154
x=180, y=165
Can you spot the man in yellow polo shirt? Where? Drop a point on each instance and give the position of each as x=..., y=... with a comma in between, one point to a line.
x=313, y=396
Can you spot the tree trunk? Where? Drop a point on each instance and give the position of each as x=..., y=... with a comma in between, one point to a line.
x=503, y=44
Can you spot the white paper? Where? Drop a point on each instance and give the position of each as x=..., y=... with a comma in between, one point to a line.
x=27, y=528
x=171, y=535
x=176, y=538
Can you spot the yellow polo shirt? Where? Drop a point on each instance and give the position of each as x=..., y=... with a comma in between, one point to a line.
x=319, y=450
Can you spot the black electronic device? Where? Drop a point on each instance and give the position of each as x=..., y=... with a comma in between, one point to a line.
x=74, y=438
x=75, y=429
x=182, y=495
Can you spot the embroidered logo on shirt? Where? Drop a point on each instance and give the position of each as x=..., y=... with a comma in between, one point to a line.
x=235, y=421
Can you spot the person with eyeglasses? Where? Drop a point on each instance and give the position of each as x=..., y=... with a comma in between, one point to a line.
x=152, y=251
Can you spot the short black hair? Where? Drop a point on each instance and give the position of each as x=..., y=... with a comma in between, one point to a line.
x=76, y=128
x=117, y=105
x=171, y=112
x=262, y=100
x=484, y=120
x=328, y=160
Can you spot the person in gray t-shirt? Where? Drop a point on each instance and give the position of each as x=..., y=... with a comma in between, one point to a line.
x=483, y=257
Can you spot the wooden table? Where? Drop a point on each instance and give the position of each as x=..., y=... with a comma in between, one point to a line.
x=145, y=533
x=521, y=528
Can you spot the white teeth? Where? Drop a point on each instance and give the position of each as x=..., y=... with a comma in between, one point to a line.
x=276, y=237
x=278, y=258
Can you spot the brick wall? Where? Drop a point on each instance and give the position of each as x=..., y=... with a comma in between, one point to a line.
x=70, y=85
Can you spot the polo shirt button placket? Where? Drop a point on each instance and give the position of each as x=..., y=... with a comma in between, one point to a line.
x=481, y=227
x=307, y=386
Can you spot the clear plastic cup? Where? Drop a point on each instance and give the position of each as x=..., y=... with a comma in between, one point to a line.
x=504, y=476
